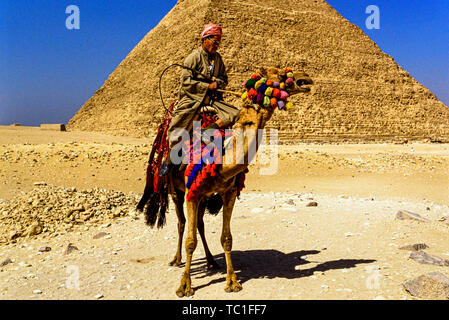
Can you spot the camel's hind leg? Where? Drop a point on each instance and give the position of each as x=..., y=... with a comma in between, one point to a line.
x=185, y=288
x=232, y=285
x=211, y=264
x=178, y=199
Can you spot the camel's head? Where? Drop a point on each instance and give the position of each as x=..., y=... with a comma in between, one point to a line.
x=301, y=81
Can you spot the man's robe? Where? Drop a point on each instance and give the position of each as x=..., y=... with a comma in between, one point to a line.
x=193, y=93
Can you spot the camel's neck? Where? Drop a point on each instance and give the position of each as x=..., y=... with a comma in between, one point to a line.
x=250, y=119
x=246, y=140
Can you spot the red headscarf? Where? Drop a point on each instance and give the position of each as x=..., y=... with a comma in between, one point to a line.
x=211, y=30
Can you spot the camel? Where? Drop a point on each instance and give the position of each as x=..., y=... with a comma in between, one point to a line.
x=223, y=184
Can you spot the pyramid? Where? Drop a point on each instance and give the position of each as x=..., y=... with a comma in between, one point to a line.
x=360, y=92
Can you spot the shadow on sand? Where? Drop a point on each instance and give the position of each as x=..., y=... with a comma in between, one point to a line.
x=255, y=264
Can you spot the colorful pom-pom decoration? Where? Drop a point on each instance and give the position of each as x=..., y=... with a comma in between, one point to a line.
x=266, y=102
x=262, y=88
x=259, y=98
x=269, y=91
x=281, y=104
x=252, y=93
x=250, y=83
x=284, y=95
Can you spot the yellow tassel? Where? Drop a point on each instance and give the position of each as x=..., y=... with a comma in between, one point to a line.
x=282, y=85
x=269, y=91
x=289, y=105
x=244, y=95
x=258, y=84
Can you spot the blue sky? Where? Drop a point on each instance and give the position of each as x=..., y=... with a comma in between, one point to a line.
x=48, y=72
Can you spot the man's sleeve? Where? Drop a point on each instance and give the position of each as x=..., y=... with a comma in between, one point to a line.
x=189, y=84
x=222, y=78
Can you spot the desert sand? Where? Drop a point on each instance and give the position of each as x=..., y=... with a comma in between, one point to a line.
x=344, y=247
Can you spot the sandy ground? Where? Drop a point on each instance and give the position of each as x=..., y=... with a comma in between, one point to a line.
x=347, y=247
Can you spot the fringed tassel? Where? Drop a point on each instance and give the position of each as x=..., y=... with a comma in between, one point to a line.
x=155, y=194
x=189, y=169
x=149, y=189
x=214, y=167
x=152, y=210
x=146, y=195
x=164, y=207
x=161, y=217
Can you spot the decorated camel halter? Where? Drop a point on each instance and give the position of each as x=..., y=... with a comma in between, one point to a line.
x=267, y=93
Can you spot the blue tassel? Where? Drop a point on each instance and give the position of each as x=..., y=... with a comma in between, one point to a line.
x=193, y=175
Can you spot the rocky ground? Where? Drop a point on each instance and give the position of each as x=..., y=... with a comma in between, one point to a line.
x=325, y=226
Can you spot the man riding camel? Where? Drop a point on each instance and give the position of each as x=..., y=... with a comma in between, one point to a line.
x=200, y=89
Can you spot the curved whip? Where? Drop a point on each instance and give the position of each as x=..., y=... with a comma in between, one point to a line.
x=160, y=80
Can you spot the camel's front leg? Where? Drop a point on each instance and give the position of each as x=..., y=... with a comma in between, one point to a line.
x=185, y=289
x=232, y=285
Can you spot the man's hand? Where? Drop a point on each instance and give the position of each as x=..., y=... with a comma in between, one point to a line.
x=213, y=86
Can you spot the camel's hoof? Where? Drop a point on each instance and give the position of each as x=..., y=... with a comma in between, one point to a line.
x=187, y=293
x=180, y=293
x=184, y=292
x=185, y=289
x=175, y=262
x=234, y=287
